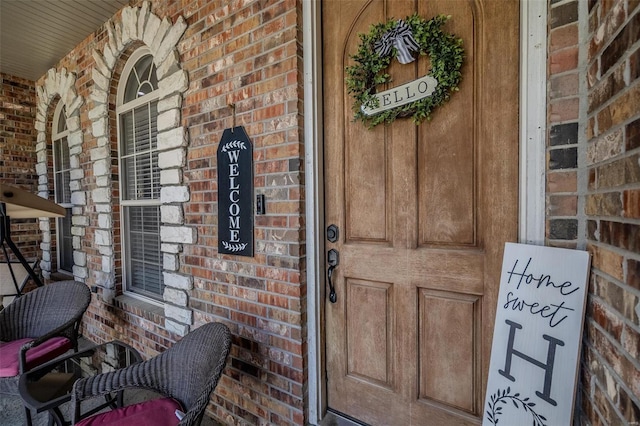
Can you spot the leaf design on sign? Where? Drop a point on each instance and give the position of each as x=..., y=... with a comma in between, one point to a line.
x=233, y=145
x=502, y=396
x=234, y=247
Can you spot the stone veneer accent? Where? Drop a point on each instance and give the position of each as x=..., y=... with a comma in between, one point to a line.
x=62, y=84
x=140, y=25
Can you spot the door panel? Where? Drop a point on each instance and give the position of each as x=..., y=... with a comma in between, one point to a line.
x=446, y=155
x=447, y=371
x=370, y=321
x=423, y=213
x=366, y=191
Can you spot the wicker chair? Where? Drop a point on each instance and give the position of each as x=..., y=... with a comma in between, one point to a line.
x=39, y=326
x=188, y=372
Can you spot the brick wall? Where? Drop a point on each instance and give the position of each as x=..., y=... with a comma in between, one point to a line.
x=594, y=152
x=563, y=115
x=17, y=153
x=246, y=55
x=611, y=394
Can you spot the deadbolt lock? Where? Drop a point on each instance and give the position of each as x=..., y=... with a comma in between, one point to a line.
x=332, y=233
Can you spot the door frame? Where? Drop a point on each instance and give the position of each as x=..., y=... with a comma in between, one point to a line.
x=531, y=226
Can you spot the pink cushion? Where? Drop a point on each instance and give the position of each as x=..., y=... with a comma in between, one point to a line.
x=10, y=354
x=157, y=412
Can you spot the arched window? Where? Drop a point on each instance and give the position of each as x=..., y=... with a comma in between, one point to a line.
x=139, y=176
x=62, y=174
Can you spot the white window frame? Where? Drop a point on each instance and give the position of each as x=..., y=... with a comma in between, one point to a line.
x=56, y=136
x=121, y=109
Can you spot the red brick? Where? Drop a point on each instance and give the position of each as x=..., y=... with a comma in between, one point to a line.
x=613, y=174
x=564, y=85
x=604, y=204
x=563, y=14
x=633, y=273
x=612, y=324
x=609, y=262
x=563, y=60
x=631, y=203
x=633, y=135
x=620, y=110
x=625, y=236
x=564, y=110
x=615, y=51
x=590, y=128
x=562, y=205
x=607, y=88
x=566, y=36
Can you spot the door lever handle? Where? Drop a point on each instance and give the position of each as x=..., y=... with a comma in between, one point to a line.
x=333, y=259
x=333, y=297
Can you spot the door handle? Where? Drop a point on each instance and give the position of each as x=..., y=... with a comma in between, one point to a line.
x=333, y=260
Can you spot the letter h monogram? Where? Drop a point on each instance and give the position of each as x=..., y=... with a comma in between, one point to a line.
x=547, y=367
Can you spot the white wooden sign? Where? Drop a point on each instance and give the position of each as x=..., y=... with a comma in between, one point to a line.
x=405, y=94
x=536, y=340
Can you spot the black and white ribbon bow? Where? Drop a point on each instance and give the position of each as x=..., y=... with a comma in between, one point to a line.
x=402, y=39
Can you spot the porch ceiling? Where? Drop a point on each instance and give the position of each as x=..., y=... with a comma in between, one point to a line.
x=36, y=34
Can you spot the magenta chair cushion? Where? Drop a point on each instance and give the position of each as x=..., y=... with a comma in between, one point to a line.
x=48, y=350
x=157, y=412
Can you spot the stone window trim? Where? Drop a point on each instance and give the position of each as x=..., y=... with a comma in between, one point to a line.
x=138, y=25
x=62, y=84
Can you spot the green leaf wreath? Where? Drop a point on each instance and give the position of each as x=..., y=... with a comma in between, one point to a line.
x=443, y=49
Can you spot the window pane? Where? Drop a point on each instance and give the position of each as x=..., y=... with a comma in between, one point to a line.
x=153, y=117
x=143, y=176
x=63, y=194
x=62, y=169
x=126, y=133
x=155, y=194
x=140, y=160
x=62, y=121
x=144, y=249
x=65, y=154
x=146, y=72
x=130, y=92
x=128, y=179
x=57, y=155
x=142, y=135
x=65, y=243
x=142, y=80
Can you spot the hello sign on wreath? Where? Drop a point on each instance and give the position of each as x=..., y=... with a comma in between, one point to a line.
x=402, y=39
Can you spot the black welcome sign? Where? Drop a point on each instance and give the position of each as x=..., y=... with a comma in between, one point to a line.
x=235, y=193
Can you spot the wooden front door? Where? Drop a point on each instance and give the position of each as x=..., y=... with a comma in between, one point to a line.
x=423, y=214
